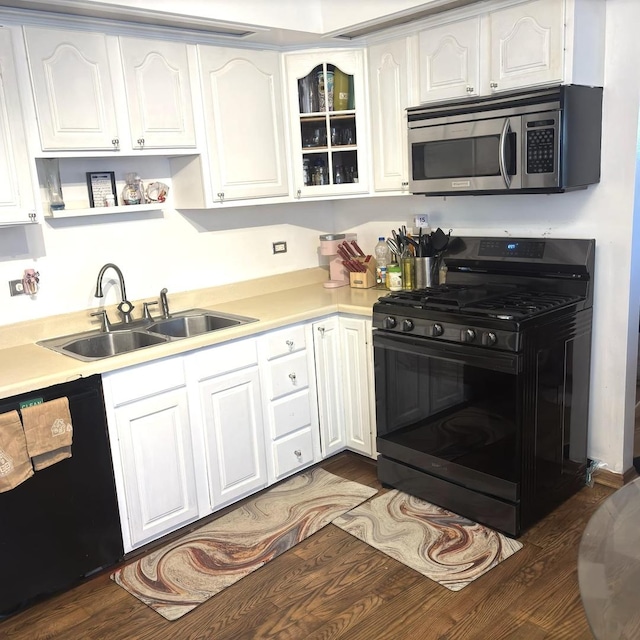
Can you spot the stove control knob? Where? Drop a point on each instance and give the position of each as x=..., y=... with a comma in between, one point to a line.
x=489, y=338
x=467, y=335
x=436, y=330
x=389, y=322
x=407, y=325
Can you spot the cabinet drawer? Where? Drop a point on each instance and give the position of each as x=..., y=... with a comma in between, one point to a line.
x=223, y=358
x=288, y=374
x=293, y=452
x=289, y=414
x=140, y=381
x=284, y=341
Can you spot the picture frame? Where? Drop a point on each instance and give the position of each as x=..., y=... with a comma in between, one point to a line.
x=101, y=185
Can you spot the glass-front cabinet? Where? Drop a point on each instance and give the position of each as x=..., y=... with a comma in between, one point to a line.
x=326, y=102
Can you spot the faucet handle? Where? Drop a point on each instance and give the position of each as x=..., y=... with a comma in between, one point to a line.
x=145, y=309
x=104, y=318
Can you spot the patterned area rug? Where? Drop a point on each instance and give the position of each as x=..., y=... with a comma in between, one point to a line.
x=439, y=544
x=178, y=577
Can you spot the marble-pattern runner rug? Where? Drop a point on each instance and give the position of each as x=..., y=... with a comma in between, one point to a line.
x=176, y=578
x=439, y=544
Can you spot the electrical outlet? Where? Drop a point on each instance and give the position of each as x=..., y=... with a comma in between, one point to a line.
x=16, y=287
x=279, y=247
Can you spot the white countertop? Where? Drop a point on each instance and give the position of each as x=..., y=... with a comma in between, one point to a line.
x=28, y=367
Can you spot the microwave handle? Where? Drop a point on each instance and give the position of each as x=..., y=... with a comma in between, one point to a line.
x=502, y=159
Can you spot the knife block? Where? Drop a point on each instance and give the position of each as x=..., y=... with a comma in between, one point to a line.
x=365, y=279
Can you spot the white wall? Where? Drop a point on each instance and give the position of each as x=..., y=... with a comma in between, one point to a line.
x=191, y=250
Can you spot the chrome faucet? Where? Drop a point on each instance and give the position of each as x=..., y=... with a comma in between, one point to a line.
x=125, y=307
x=164, y=303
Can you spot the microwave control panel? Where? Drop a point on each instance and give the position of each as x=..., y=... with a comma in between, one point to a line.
x=541, y=145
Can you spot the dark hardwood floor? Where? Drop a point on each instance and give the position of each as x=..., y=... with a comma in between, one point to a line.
x=334, y=586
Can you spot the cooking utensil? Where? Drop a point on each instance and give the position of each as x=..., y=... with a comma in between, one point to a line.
x=439, y=240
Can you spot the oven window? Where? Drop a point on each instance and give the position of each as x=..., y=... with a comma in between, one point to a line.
x=461, y=158
x=449, y=410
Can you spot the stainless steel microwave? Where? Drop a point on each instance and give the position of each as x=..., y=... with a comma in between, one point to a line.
x=543, y=140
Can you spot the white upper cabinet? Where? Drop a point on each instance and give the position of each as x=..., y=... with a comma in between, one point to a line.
x=79, y=80
x=244, y=121
x=519, y=44
x=16, y=187
x=527, y=45
x=449, y=60
x=327, y=107
x=73, y=90
x=158, y=90
x=389, y=98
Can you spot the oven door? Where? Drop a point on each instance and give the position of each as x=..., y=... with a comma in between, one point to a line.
x=450, y=411
x=475, y=155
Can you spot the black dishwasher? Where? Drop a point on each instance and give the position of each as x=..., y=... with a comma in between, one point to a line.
x=62, y=524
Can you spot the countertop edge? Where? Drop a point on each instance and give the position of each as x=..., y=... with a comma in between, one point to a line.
x=29, y=367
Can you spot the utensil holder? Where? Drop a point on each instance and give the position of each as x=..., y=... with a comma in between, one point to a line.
x=426, y=272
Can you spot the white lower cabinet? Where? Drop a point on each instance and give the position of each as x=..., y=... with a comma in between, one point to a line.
x=344, y=368
x=289, y=390
x=194, y=433
x=227, y=408
x=151, y=443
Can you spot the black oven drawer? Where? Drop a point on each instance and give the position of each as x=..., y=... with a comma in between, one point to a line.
x=476, y=506
x=440, y=467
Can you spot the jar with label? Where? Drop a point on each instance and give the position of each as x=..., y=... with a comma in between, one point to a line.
x=394, y=276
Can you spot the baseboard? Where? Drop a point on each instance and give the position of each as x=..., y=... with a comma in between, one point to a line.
x=614, y=480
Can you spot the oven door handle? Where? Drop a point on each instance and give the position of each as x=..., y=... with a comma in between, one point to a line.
x=483, y=358
x=503, y=153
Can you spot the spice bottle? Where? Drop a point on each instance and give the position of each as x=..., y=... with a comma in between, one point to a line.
x=394, y=276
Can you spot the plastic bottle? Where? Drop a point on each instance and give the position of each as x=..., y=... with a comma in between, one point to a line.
x=382, y=254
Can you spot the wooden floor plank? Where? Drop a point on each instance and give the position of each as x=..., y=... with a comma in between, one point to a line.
x=334, y=586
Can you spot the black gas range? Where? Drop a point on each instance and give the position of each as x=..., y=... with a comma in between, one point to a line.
x=482, y=383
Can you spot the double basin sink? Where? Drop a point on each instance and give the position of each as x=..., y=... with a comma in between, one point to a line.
x=140, y=334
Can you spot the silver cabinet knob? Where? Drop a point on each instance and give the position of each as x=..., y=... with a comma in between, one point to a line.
x=298, y=194
x=493, y=85
x=290, y=344
x=292, y=377
x=32, y=216
x=469, y=89
x=321, y=331
x=298, y=453
x=115, y=142
x=220, y=195
x=141, y=142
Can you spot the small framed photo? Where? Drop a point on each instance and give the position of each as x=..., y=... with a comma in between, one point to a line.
x=102, y=189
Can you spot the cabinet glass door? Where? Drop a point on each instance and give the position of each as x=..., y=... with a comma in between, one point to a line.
x=328, y=127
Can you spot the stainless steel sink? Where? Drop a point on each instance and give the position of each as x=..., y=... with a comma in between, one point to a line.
x=184, y=326
x=91, y=345
x=94, y=346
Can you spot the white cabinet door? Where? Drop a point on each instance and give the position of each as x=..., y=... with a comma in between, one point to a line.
x=234, y=435
x=72, y=89
x=356, y=383
x=330, y=381
x=449, y=60
x=158, y=92
x=389, y=99
x=328, y=123
x=16, y=187
x=156, y=454
x=242, y=95
x=527, y=44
